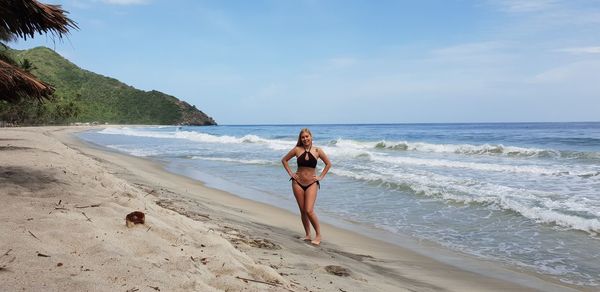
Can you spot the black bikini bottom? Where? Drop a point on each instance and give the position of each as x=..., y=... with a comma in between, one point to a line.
x=307, y=186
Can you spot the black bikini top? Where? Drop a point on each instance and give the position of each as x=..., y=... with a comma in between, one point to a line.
x=307, y=159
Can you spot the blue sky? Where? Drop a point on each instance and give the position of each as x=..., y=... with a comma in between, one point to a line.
x=310, y=61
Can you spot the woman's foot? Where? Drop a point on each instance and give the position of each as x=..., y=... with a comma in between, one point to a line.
x=317, y=240
x=307, y=238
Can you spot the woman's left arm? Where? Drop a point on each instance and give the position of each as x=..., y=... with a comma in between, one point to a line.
x=325, y=159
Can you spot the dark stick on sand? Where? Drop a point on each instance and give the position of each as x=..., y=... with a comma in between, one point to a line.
x=262, y=282
x=33, y=235
x=88, y=218
x=88, y=206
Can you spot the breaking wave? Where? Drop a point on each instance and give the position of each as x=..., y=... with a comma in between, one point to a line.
x=539, y=206
x=200, y=137
x=467, y=149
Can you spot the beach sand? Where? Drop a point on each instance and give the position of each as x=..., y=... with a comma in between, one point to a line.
x=63, y=228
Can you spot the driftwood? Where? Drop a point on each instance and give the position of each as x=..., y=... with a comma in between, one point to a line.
x=88, y=206
x=257, y=281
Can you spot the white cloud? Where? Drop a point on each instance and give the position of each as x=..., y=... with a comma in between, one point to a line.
x=548, y=14
x=581, y=75
x=581, y=50
x=519, y=6
x=476, y=57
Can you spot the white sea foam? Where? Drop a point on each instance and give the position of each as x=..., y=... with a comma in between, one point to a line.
x=200, y=137
x=227, y=159
x=532, y=169
x=140, y=152
x=390, y=160
x=353, y=148
x=485, y=149
x=532, y=204
x=386, y=160
x=347, y=152
x=126, y=131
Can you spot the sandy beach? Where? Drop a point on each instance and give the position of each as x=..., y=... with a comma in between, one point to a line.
x=63, y=229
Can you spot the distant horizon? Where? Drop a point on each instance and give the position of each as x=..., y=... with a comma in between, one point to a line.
x=500, y=61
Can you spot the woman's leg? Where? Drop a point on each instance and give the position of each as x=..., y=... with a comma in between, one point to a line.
x=299, y=194
x=310, y=196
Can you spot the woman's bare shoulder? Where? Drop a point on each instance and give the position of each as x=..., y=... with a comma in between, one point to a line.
x=318, y=151
x=296, y=149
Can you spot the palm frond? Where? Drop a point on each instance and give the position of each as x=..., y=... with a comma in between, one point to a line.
x=16, y=84
x=24, y=18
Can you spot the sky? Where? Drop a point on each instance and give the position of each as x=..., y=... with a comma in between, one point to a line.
x=348, y=61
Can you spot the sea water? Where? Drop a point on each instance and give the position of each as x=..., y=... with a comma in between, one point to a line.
x=524, y=194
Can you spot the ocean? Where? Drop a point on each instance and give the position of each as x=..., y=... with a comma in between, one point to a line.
x=523, y=194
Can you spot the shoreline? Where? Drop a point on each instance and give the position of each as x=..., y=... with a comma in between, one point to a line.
x=274, y=249
x=426, y=248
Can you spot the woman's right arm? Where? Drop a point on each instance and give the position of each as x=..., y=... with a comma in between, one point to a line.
x=285, y=160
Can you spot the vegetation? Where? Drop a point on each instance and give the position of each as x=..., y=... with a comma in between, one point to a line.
x=83, y=96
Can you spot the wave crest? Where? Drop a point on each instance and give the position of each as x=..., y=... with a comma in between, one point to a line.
x=227, y=159
x=200, y=137
x=485, y=149
x=532, y=204
x=465, y=149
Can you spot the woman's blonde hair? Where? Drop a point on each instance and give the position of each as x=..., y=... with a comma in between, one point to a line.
x=305, y=130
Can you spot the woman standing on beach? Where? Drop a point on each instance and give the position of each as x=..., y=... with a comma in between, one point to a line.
x=305, y=182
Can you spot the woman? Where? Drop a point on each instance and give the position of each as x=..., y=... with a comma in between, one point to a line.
x=305, y=181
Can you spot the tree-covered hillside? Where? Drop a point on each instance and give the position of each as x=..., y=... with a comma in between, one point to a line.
x=84, y=96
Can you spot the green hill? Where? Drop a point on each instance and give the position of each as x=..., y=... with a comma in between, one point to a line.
x=84, y=96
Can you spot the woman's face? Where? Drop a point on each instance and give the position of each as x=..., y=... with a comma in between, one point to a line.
x=306, y=139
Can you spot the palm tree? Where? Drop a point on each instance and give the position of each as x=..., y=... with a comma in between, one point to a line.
x=26, y=65
x=22, y=19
